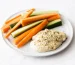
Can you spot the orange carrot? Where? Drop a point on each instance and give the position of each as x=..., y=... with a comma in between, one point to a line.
x=18, y=24
x=35, y=18
x=6, y=27
x=32, y=33
x=29, y=9
x=29, y=12
x=54, y=17
x=12, y=19
x=20, y=37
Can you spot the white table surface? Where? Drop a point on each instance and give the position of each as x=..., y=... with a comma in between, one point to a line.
x=9, y=56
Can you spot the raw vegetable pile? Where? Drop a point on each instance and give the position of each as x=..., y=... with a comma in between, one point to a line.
x=24, y=26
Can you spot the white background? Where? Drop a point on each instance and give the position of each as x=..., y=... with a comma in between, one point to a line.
x=9, y=56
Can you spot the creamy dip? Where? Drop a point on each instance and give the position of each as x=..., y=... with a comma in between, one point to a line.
x=47, y=40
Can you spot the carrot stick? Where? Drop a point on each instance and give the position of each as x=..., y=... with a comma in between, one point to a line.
x=12, y=19
x=18, y=24
x=32, y=33
x=35, y=18
x=54, y=17
x=6, y=27
x=20, y=37
x=29, y=12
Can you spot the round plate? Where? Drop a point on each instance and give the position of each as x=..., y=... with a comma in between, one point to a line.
x=26, y=50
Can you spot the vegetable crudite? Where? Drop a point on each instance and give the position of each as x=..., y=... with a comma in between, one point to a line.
x=24, y=26
x=19, y=23
x=49, y=19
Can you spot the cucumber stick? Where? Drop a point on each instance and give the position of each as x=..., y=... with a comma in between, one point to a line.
x=12, y=25
x=42, y=12
x=54, y=23
x=23, y=29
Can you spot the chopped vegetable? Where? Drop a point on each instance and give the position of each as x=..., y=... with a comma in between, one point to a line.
x=54, y=17
x=5, y=28
x=27, y=14
x=23, y=29
x=8, y=21
x=42, y=12
x=32, y=33
x=12, y=25
x=54, y=23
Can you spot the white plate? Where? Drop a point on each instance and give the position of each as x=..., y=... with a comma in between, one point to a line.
x=26, y=50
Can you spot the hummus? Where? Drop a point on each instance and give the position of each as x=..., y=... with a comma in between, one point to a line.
x=47, y=40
